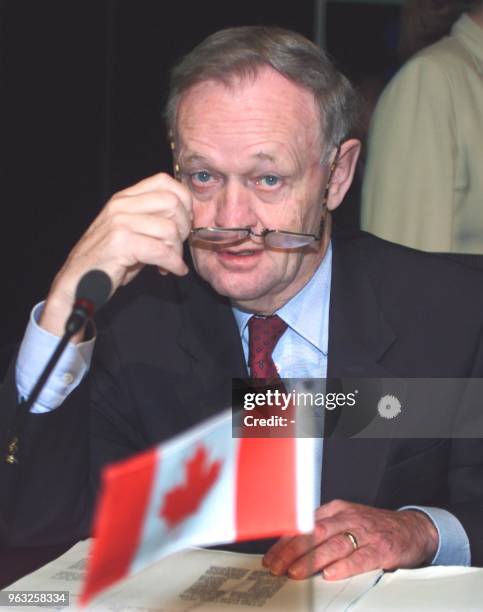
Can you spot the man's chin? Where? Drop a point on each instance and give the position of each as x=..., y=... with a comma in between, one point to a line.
x=239, y=295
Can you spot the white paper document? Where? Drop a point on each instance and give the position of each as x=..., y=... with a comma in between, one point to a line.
x=445, y=589
x=199, y=579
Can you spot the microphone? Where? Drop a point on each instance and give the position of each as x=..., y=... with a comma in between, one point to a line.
x=92, y=292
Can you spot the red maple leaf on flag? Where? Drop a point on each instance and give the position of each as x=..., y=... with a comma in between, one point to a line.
x=185, y=499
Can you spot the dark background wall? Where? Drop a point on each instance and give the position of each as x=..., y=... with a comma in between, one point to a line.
x=82, y=85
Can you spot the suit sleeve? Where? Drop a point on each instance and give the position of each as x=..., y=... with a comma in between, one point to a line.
x=48, y=497
x=408, y=189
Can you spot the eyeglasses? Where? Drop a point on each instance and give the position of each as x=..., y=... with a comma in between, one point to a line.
x=277, y=239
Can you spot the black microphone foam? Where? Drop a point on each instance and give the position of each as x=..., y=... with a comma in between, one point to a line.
x=94, y=287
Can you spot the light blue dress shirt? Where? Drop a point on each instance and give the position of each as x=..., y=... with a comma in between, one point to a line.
x=35, y=351
x=300, y=353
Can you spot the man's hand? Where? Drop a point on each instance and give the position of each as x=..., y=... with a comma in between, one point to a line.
x=386, y=539
x=144, y=224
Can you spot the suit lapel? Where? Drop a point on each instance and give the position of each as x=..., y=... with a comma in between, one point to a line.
x=211, y=340
x=359, y=336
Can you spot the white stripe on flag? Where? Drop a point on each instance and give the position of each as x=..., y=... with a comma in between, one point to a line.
x=305, y=478
x=214, y=520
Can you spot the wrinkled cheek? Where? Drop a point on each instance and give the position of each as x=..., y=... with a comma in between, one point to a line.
x=210, y=269
x=289, y=264
x=200, y=259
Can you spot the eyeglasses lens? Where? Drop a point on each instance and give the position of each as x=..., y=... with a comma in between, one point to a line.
x=219, y=236
x=282, y=240
x=273, y=239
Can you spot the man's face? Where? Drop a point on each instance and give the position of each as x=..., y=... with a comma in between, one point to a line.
x=250, y=155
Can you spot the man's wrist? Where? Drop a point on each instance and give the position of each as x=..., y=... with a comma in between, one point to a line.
x=428, y=534
x=54, y=317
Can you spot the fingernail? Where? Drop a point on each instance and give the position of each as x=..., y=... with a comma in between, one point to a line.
x=328, y=573
x=276, y=568
x=294, y=572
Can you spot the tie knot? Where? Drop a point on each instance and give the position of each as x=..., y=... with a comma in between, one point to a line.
x=266, y=330
x=264, y=333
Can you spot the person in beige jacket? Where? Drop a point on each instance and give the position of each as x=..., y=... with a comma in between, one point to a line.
x=423, y=184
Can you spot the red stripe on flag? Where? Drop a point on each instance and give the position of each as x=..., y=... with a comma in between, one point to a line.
x=266, y=494
x=126, y=489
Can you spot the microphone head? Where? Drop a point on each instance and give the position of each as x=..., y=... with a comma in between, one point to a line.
x=94, y=287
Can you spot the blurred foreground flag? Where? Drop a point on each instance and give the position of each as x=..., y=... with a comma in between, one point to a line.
x=201, y=488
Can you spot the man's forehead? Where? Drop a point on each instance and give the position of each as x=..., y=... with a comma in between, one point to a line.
x=265, y=84
x=267, y=109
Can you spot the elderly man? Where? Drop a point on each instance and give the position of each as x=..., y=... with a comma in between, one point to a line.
x=259, y=121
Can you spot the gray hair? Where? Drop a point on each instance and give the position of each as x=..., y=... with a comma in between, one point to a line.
x=241, y=52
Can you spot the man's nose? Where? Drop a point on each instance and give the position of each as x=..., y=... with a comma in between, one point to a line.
x=234, y=206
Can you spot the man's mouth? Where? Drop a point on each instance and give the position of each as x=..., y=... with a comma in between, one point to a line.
x=239, y=256
x=244, y=253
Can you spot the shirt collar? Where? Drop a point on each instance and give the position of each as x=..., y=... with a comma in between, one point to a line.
x=307, y=313
x=470, y=35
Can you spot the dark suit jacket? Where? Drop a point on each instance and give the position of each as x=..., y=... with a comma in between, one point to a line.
x=165, y=357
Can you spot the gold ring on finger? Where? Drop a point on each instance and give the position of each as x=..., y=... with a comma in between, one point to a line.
x=352, y=539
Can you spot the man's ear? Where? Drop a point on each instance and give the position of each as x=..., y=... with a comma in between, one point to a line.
x=343, y=172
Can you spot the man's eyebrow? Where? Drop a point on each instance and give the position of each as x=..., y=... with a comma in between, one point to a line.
x=197, y=157
x=265, y=157
x=194, y=158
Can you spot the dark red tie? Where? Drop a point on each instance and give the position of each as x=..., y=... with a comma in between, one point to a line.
x=264, y=333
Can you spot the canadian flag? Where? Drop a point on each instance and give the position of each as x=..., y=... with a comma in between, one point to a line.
x=203, y=487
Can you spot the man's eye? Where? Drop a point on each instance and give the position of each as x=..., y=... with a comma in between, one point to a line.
x=269, y=180
x=201, y=177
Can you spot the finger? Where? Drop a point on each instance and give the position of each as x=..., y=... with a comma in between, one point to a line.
x=327, y=528
x=116, y=247
x=159, y=182
x=113, y=233
x=164, y=203
x=284, y=553
x=147, y=250
x=362, y=560
x=153, y=226
x=131, y=273
x=334, y=507
x=275, y=549
x=118, y=263
x=330, y=551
